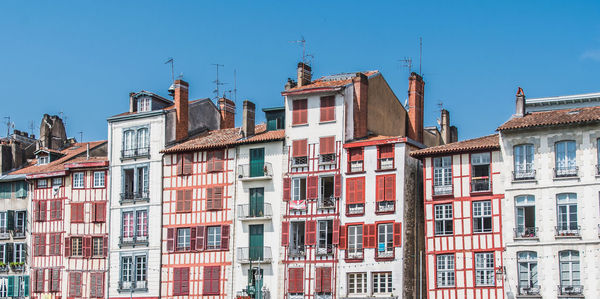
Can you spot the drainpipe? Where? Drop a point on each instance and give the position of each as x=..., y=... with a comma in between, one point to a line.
x=232, y=235
x=108, y=222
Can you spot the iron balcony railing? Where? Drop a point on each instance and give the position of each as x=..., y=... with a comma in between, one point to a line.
x=4, y=268
x=299, y=161
x=255, y=171
x=386, y=163
x=249, y=212
x=254, y=255
x=442, y=189
x=481, y=184
x=326, y=202
x=355, y=253
x=135, y=153
x=529, y=290
x=327, y=159
x=523, y=174
x=4, y=233
x=385, y=206
x=568, y=230
x=568, y=171
x=297, y=250
x=354, y=209
x=387, y=253
x=133, y=285
x=325, y=249
x=19, y=232
x=356, y=166
x=133, y=240
x=570, y=289
x=134, y=196
x=526, y=232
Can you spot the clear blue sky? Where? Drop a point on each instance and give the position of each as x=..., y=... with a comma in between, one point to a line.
x=84, y=57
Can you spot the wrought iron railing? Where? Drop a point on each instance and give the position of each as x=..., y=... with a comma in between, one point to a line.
x=386, y=163
x=568, y=231
x=570, y=289
x=355, y=253
x=4, y=233
x=442, y=189
x=248, y=212
x=324, y=249
x=568, y=171
x=133, y=285
x=526, y=232
x=135, y=196
x=19, y=233
x=135, y=153
x=387, y=253
x=327, y=159
x=481, y=184
x=254, y=254
x=356, y=166
x=297, y=250
x=326, y=202
x=385, y=206
x=249, y=171
x=354, y=209
x=529, y=290
x=523, y=174
x=133, y=240
x=299, y=161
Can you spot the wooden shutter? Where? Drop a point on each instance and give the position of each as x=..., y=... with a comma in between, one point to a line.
x=67, y=246
x=55, y=280
x=193, y=238
x=296, y=280
x=210, y=161
x=224, y=237
x=342, y=241
x=397, y=234
x=390, y=187
x=76, y=212
x=217, y=198
x=318, y=280
x=373, y=236
x=200, y=230
x=170, y=239
x=58, y=209
x=360, y=190
x=326, y=279
x=185, y=281
x=386, y=151
x=209, y=198
x=177, y=281
x=287, y=184
x=188, y=163
x=327, y=108
x=10, y=220
x=187, y=205
x=380, y=187
x=179, y=201
x=351, y=191
x=42, y=211
x=87, y=247
x=337, y=190
x=299, y=115
x=9, y=257
x=180, y=164
x=299, y=148
x=105, y=246
x=99, y=212
x=311, y=232
x=285, y=233
x=327, y=145
x=335, y=239
x=313, y=187
x=219, y=157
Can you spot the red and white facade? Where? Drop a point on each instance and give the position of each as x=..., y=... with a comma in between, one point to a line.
x=463, y=224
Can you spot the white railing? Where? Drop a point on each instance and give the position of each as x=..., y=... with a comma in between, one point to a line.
x=356, y=209
x=326, y=203
x=356, y=166
x=442, y=189
x=248, y=213
x=254, y=254
x=387, y=163
x=245, y=173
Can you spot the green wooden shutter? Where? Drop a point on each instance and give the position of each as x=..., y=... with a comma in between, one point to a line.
x=11, y=286
x=26, y=286
x=10, y=220
x=257, y=162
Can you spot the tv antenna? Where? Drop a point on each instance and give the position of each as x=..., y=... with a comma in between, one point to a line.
x=217, y=82
x=9, y=125
x=305, y=56
x=172, y=62
x=31, y=126
x=420, y=55
x=234, y=85
x=407, y=63
x=80, y=136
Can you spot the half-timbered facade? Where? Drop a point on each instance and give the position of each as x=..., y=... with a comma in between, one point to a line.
x=463, y=219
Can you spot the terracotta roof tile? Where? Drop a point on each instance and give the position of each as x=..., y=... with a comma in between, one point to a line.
x=224, y=138
x=490, y=142
x=330, y=81
x=553, y=118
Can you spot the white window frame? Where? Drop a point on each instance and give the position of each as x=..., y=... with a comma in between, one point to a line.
x=19, y=252
x=382, y=283
x=57, y=181
x=77, y=250
x=3, y=221
x=183, y=238
x=569, y=259
x=213, y=237
x=99, y=179
x=521, y=202
x=565, y=159
x=446, y=276
x=323, y=229
x=442, y=174
x=144, y=104
x=41, y=183
x=527, y=267
x=78, y=180
x=568, y=201
x=99, y=246
x=297, y=188
x=355, y=240
x=523, y=160
x=444, y=215
x=4, y=287
x=42, y=160
x=481, y=211
x=484, y=269
x=385, y=234
x=357, y=283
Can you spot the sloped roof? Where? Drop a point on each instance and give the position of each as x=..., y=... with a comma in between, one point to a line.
x=553, y=118
x=226, y=137
x=331, y=81
x=171, y=107
x=490, y=142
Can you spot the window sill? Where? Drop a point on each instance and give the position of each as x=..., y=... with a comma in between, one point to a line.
x=324, y=122
x=483, y=233
x=478, y=193
x=443, y=235
x=380, y=259
x=355, y=215
x=356, y=172
x=526, y=239
x=566, y=178
x=384, y=170
x=385, y=212
x=300, y=125
x=567, y=237
x=352, y=260
x=443, y=196
x=531, y=180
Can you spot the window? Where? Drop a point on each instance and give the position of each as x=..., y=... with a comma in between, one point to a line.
x=445, y=270
x=297, y=231
x=55, y=244
x=136, y=143
x=212, y=279
x=213, y=237
x=484, y=269
x=300, y=152
x=386, y=157
x=3, y=222
x=386, y=193
x=126, y=272
x=382, y=283
x=99, y=179
x=480, y=172
x=135, y=183
x=357, y=283
x=181, y=281
x=77, y=212
x=215, y=160
x=143, y=104
x=527, y=267
x=78, y=180
x=385, y=240
x=184, y=201
x=39, y=244
x=299, y=113
x=326, y=192
x=21, y=219
x=39, y=280
x=56, y=210
x=325, y=237
x=355, y=242
x=141, y=226
x=183, y=239
x=525, y=215
x=442, y=175
x=127, y=232
x=143, y=145
x=355, y=196
x=76, y=246
x=355, y=160
x=128, y=143
x=214, y=198
x=298, y=194
x=43, y=160
x=523, y=155
x=482, y=216
x=42, y=183
x=97, y=285
x=57, y=181
x=20, y=254
x=55, y=276
x=567, y=214
x=134, y=227
x=141, y=271
x=97, y=246
x=565, y=159
x=327, y=150
x=323, y=280
x=327, y=108
x=99, y=212
x=443, y=219
x=185, y=164
x=570, y=273
x=75, y=284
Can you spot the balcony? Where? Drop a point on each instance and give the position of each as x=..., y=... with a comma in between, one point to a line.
x=355, y=254
x=356, y=166
x=254, y=172
x=528, y=291
x=132, y=286
x=3, y=267
x=326, y=203
x=385, y=206
x=481, y=184
x=248, y=212
x=386, y=163
x=297, y=250
x=388, y=253
x=356, y=209
x=442, y=190
x=4, y=233
x=17, y=266
x=133, y=241
x=565, y=172
x=523, y=174
x=327, y=159
x=565, y=231
x=133, y=197
x=254, y=255
x=134, y=153
x=299, y=161
x=324, y=250
x=570, y=290
x=526, y=232
x=19, y=233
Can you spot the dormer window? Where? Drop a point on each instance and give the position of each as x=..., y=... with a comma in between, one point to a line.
x=43, y=160
x=143, y=105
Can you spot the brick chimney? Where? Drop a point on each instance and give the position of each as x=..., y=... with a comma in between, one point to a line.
x=227, y=110
x=520, y=103
x=181, y=106
x=132, y=105
x=248, y=119
x=416, y=95
x=445, y=126
x=304, y=74
x=360, y=83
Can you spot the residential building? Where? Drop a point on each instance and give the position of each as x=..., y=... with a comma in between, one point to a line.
x=551, y=219
x=135, y=139
x=463, y=195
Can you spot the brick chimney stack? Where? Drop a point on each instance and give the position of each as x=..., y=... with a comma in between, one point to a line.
x=416, y=96
x=132, y=105
x=248, y=118
x=445, y=126
x=304, y=74
x=520, y=103
x=181, y=106
x=227, y=110
x=360, y=83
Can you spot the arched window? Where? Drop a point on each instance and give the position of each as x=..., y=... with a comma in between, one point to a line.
x=525, y=216
x=566, y=206
x=528, y=274
x=523, y=155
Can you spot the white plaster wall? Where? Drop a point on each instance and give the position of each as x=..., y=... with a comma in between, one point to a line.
x=314, y=129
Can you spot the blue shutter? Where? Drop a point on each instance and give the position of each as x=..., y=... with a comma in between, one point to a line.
x=11, y=286
x=25, y=286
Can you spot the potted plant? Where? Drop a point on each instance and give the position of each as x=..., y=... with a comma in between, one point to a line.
x=3, y=266
x=17, y=266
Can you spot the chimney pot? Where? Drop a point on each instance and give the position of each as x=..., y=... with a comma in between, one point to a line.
x=304, y=74
x=445, y=126
x=520, y=103
x=248, y=119
x=181, y=107
x=416, y=97
x=132, y=106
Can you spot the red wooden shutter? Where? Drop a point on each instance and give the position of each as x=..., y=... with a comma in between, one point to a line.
x=326, y=145
x=193, y=238
x=287, y=182
x=209, y=198
x=188, y=163
x=397, y=234
x=335, y=239
x=311, y=232
x=313, y=187
x=87, y=247
x=303, y=112
x=360, y=190
x=219, y=157
x=200, y=238
x=285, y=233
x=177, y=281
x=55, y=280
x=99, y=212
x=318, y=278
x=179, y=201
x=218, y=198
x=296, y=280
x=327, y=108
x=210, y=161
x=299, y=112
x=386, y=151
x=390, y=187
x=187, y=205
x=185, y=281
x=67, y=246
x=337, y=190
x=299, y=148
x=350, y=191
x=206, y=290
x=170, y=239
x=366, y=231
x=105, y=246
x=42, y=211
x=342, y=241
x=225, y=237
x=180, y=164
x=380, y=187
x=326, y=280
x=373, y=236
